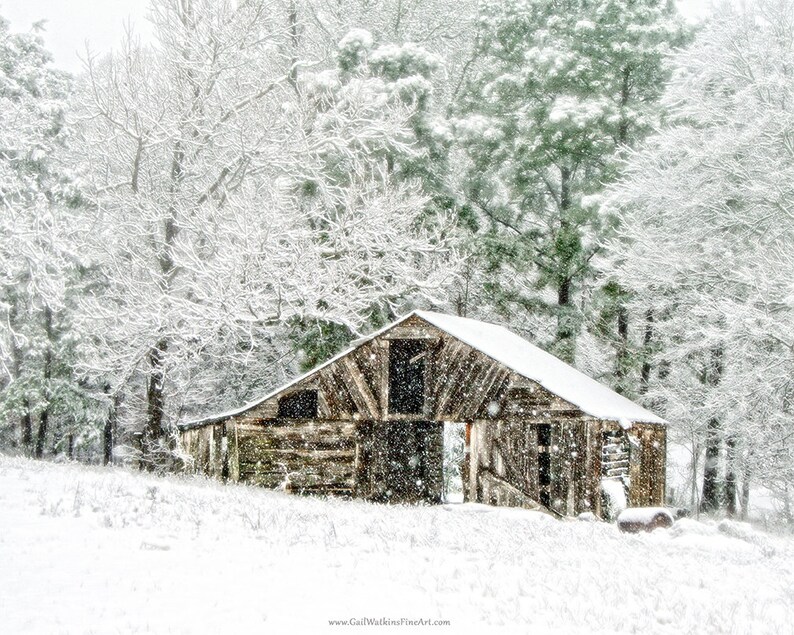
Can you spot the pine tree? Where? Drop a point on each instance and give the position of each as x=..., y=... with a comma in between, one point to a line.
x=560, y=88
x=377, y=108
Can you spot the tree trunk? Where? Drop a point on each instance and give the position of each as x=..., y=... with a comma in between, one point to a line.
x=745, y=494
x=292, y=19
x=44, y=417
x=41, y=435
x=693, y=489
x=625, y=94
x=565, y=336
x=153, y=433
x=25, y=422
x=622, y=358
x=27, y=425
x=155, y=405
x=645, y=372
x=730, y=477
x=109, y=429
x=711, y=499
x=107, y=442
x=565, y=331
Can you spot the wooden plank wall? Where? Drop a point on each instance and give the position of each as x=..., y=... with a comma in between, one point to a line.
x=461, y=382
x=507, y=452
x=503, y=457
x=204, y=446
x=302, y=456
x=505, y=449
x=648, y=471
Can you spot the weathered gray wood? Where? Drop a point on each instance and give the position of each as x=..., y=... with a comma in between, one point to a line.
x=234, y=454
x=411, y=333
x=371, y=409
x=444, y=362
x=369, y=360
x=336, y=395
x=647, y=465
x=482, y=391
x=456, y=377
x=470, y=388
x=497, y=491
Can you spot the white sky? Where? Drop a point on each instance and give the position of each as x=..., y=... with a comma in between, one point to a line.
x=101, y=23
x=70, y=23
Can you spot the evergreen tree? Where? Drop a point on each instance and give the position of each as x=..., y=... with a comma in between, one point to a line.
x=41, y=264
x=558, y=90
x=374, y=115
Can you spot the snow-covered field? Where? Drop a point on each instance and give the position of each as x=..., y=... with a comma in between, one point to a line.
x=90, y=550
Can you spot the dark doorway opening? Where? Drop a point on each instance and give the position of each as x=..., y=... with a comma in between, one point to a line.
x=407, y=376
x=544, y=464
x=413, y=467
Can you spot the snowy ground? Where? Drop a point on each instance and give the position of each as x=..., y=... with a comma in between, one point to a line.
x=88, y=550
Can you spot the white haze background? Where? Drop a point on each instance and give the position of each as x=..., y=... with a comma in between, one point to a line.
x=71, y=25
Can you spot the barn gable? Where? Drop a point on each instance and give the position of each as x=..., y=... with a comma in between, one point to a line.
x=370, y=422
x=472, y=360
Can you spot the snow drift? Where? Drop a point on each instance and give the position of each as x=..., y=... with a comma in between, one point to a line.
x=89, y=550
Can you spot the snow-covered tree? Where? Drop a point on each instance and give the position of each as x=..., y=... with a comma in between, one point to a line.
x=705, y=251
x=374, y=114
x=39, y=257
x=445, y=28
x=218, y=221
x=417, y=32
x=558, y=89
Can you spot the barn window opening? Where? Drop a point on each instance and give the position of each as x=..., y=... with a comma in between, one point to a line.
x=407, y=376
x=615, y=454
x=299, y=405
x=544, y=464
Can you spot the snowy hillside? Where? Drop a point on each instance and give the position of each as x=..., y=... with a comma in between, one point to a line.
x=89, y=550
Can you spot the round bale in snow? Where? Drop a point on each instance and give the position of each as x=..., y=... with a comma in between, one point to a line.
x=636, y=519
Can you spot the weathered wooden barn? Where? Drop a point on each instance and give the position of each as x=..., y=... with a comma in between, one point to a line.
x=370, y=423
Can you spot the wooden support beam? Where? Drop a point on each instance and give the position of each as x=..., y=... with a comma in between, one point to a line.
x=360, y=389
x=492, y=377
x=455, y=377
x=335, y=395
x=411, y=333
x=468, y=390
x=443, y=362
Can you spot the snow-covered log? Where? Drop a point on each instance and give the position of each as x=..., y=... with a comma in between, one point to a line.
x=636, y=519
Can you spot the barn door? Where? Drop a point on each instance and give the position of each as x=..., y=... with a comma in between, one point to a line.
x=413, y=461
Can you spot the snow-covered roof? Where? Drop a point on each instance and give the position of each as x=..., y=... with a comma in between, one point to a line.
x=515, y=353
x=544, y=368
